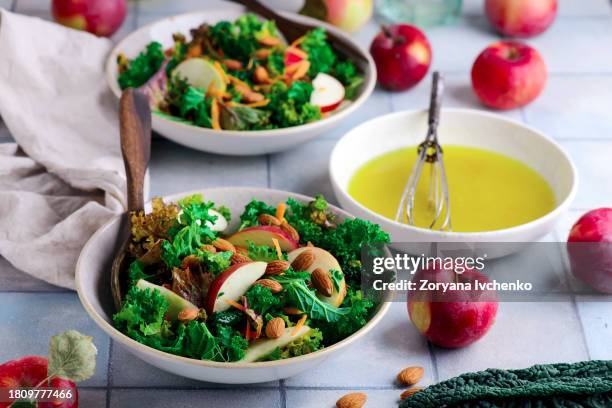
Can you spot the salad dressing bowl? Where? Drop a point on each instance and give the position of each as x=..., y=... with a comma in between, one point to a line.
x=461, y=127
x=93, y=286
x=235, y=142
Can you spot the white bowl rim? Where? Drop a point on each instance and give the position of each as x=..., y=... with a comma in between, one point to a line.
x=481, y=235
x=131, y=343
x=366, y=91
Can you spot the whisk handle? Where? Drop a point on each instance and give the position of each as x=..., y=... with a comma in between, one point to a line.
x=435, y=101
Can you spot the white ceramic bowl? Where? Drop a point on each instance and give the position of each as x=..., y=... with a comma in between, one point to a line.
x=93, y=286
x=226, y=141
x=457, y=127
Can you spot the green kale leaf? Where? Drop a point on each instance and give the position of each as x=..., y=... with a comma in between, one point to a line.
x=320, y=54
x=253, y=210
x=143, y=67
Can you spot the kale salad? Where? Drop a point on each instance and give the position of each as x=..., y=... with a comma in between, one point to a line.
x=284, y=284
x=242, y=75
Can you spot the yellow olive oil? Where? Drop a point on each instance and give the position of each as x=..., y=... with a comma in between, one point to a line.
x=488, y=191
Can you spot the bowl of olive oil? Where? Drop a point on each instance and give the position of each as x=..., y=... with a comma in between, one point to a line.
x=507, y=182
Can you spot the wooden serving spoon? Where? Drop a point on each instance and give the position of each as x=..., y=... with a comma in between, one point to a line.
x=292, y=30
x=135, y=131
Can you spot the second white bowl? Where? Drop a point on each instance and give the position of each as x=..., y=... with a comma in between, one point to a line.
x=457, y=127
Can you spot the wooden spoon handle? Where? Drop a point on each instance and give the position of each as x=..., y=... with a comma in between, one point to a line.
x=135, y=130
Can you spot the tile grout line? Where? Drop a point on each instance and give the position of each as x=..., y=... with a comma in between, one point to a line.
x=283, y=393
x=109, y=373
x=434, y=361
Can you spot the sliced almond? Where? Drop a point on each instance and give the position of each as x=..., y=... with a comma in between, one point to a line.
x=271, y=284
x=410, y=392
x=269, y=41
x=303, y=261
x=263, y=53
x=188, y=314
x=410, y=375
x=292, y=311
x=223, y=245
x=302, y=70
x=352, y=400
x=322, y=282
x=232, y=64
x=285, y=226
x=277, y=267
x=267, y=219
x=252, y=97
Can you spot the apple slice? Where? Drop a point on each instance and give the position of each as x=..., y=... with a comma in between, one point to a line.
x=175, y=302
x=327, y=262
x=231, y=284
x=261, y=348
x=200, y=73
x=294, y=55
x=262, y=235
x=328, y=92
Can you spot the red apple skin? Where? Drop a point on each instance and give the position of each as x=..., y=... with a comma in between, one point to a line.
x=64, y=384
x=100, y=17
x=216, y=285
x=521, y=18
x=402, y=55
x=287, y=243
x=508, y=75
x=27, y=371
x=592, y=262
x=455, y=323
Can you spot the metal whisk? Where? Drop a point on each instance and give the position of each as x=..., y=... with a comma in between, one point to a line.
x=429, y=153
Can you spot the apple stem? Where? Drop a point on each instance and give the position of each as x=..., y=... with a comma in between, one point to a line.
x=387, y=32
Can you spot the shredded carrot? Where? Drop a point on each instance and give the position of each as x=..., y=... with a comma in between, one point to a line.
x=299, y=325
x=296, y=51
x=234, y=304
x=247, y=331
x=280, y=211
x=258, y=104
x=221, y=72
x=297, y=42
x=279, y=253
x=237, y=81
x=214, y=113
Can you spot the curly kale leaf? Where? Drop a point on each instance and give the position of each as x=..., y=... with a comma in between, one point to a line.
x=346, y=72
x=359, y=310
x=261, y=299
x=290, y=106
x=143, y=67
x=239, y=40
x=253, y=210
x=320, y=54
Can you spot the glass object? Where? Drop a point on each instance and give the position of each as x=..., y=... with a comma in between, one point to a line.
x=422, y=13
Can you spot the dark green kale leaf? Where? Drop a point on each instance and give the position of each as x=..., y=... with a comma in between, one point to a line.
x=261, y=299
x=302, y=297
x=320, y=54
x=143, y=67
x=287, y=111
x=359, y=310
x=346, y=72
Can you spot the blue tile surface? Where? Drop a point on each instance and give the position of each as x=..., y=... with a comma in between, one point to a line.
x=30, y=319
x=199, y=398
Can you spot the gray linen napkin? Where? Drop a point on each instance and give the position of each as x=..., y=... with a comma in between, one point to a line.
x=64, y=178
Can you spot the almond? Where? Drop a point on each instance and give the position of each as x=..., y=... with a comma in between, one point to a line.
x=301, y=70
x=275, y=328
x=277, y=267
x=269, y=41
x=261, y=75
x=303, y=261
x=188, y=314
x=271, y=284
x=410, y=375
x=322, y=282
x=252, y=97
x=232, y=64
x=267, y=219
x=290, y=230
x=352, y=400
x=238, y=258
x=209, y=248
x=263, y=53
x=410, y=392
x=223, y=245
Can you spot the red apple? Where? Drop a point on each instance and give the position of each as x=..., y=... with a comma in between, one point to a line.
x=589, y=247
x=349, y=15
x=508, y=75
x=99, y=17
x=62, y=384
x=31, y=371
x=231, y=284
x=402, y=55
x=521, y=18
x=262, y=235
x=328, y=92
x=452, y=319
